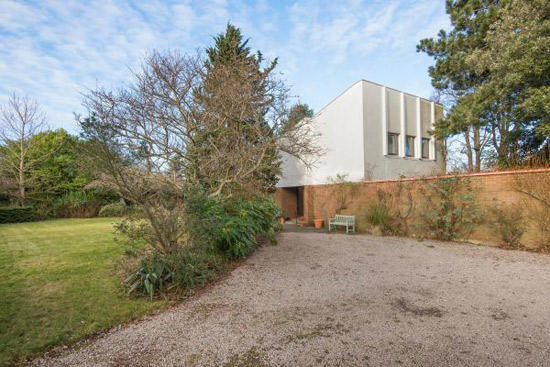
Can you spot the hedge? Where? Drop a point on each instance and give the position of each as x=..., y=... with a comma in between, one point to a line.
x=113, y=210
x=16, y=214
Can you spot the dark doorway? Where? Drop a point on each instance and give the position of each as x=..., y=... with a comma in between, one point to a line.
x=299, y=201
x=292, y=201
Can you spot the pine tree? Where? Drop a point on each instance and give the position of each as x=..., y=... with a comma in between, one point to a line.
x=457, y=80
x=517, y=61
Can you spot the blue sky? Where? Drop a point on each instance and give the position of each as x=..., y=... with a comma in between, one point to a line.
x=53, y=50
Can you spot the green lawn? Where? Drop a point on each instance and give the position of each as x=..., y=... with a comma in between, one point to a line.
x=58, y=284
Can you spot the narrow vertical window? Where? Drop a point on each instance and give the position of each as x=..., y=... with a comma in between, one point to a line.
x=393, y=147
x=409, y=146
x=425, y=148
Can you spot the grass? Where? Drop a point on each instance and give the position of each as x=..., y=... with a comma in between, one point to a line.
x=59, y=285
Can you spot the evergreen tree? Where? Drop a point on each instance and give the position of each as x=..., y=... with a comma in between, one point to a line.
x=298, y=112
x=493, y=67
x=232, y=66
x=517, y=87
x=455, y=78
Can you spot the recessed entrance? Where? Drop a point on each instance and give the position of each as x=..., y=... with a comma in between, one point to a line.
x=292, y=202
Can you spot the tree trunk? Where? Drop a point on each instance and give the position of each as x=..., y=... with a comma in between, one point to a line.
x=21, y=180
x=444, y=153
x=469, y=150
x=477, y=149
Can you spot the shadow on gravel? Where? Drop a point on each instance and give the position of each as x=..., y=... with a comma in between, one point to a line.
x=404, y=306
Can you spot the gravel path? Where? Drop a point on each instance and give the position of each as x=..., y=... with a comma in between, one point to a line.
x=337, y=300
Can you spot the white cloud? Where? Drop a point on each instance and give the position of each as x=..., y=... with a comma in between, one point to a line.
x=358, y=27
x=53, y=50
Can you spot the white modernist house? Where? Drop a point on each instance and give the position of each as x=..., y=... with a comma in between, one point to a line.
x=371, y=132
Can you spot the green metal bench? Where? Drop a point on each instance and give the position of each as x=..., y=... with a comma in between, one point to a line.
x=344, y=221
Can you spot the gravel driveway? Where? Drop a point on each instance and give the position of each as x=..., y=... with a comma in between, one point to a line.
x=336, y=300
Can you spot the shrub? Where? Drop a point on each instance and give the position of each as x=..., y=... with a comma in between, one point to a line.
x=508, y=225
x=535, y=190
x=343, y=191
x=196, y=268
x=178, y=272
x=379, y=215
x=242, y=221
x=232, y=226
x=17, y=214
x=215, y=230
x=393, y=210
x=135, y=233
x=449, y=209
x=77, y=204
x=113, y=210
x=149, y=278
x=403, y=206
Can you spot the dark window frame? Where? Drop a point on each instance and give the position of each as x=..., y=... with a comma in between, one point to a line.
x=427, y=142
x=410, y=151
x=390, y=135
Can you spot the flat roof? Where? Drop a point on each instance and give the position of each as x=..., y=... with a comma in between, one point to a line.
x=397, y=90
x=377, y=84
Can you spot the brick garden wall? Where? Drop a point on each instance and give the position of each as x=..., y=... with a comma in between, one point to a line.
x=492, y=188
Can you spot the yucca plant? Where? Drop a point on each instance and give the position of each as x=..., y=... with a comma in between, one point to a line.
x=149, y=278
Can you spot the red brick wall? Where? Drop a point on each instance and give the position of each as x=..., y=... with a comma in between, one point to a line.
x=491, y=188
x=287, y=200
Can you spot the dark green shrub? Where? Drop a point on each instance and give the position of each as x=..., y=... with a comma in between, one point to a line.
x=201, y=214
x=150, y=277
x=449, y=209
x=181, y=272
x=241, y=222
x=17, y=214
x=194, y=268
x=113, y=210
x=508, y=225
x=216, y=229
x=232, y=226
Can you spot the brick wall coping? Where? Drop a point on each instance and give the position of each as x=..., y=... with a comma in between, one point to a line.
x=477, y=174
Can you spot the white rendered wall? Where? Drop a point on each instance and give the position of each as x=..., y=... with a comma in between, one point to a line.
x=340, y=124
x=354, y=130
x=380, y=166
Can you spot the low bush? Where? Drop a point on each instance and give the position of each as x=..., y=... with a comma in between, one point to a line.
x=215, y=230
x=242, y=222
x=508, y=225
x=177, y=273
x=393, y=210
x=232, y=226
x=113, y=210
x=77, y=204
x=535, y=191
x=17, y=214
x=449, y=209
x=379, y=215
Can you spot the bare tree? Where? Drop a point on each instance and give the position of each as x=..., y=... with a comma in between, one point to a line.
x=21, y=120
x=160, y=133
